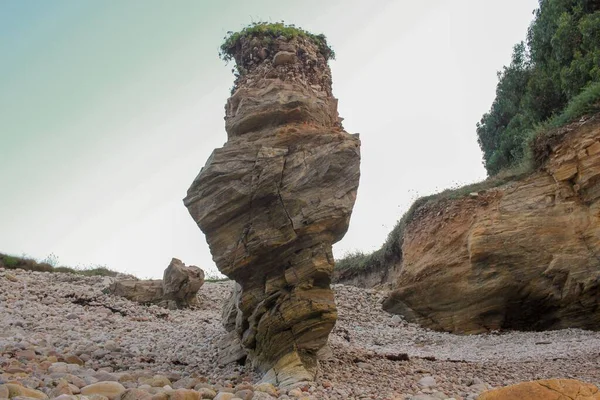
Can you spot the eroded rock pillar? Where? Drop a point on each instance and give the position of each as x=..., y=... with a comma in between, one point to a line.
x=274, y=199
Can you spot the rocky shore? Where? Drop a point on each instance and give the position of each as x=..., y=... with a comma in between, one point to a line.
x=63, y=336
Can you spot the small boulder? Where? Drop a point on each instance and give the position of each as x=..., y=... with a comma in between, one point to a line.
x=112, y=390
x=206, y=393
x=427, y=381
x=284, y=57
x=16, y=390
x=4, y=392
x=134, y=394
x=184, y=394
x=224, y=396
x=550, y=389
x=181, y=284
x=177, y=289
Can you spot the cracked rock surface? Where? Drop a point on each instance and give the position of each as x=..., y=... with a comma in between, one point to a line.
x=271, y=203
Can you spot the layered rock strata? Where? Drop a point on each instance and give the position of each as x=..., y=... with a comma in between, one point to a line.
x=525, y=255
x=177, y=289
x=274, y=199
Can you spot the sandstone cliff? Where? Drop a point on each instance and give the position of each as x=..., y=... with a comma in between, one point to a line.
x=274, y=199
x=524, y=255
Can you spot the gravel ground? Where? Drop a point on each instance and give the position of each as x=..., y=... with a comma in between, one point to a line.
x=59, y=328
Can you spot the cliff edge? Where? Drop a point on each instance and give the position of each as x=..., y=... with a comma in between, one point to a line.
x=523, y=255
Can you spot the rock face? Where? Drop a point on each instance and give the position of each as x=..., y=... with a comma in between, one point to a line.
x=274, y=199
x=550, y=389
x=177, y=289
x=525, y=255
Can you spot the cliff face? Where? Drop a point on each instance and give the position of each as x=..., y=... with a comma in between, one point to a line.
x=525, y=255
x=273, y=200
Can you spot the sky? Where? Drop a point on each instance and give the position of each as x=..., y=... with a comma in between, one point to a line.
x=109, y=108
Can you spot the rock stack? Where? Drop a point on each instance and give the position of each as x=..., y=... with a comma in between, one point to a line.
x=274, y=199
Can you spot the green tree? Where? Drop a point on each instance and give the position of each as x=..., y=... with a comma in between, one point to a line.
x=560, y=59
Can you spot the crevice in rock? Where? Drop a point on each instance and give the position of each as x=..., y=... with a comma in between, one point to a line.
x=93, y=302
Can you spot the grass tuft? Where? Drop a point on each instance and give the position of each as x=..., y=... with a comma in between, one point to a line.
x=29, y=264
x=391, y=250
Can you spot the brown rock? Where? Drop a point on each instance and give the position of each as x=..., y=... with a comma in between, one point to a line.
x=26, y=354
x=73, y=359
x=94, y=397
x=181, y=284
x=284, y=57
x=184, y=394
x=224, y=396
x=244, y=394
x=112, y=390
x=4, y=392
x=551, y=389
x=134, y=394
x=206, y=393
x=62, y=388
x=140, y=291
x=156, y=381
x=266, y=388
x=177, y=289
x=18, y=390
x=271, y=203
x=524, y=255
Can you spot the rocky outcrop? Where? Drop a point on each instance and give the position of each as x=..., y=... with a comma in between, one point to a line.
x=274, y=199
x=177, y=289
x=181, y=284
x=525, y=255
x=549, y=389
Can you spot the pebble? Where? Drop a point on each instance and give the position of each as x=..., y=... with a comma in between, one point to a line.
x=427, y=381
x=81, y=344
x=109, y=389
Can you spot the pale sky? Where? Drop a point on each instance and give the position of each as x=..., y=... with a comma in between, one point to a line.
x=109, y=108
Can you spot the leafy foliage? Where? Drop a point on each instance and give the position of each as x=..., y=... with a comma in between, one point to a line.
x=552, y=131
x=560, y=59
x=268, y=31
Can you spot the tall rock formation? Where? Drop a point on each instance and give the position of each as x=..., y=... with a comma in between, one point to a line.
x=525, y=255
x=274, y=199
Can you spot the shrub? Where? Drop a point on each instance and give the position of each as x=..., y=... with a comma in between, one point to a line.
x=269, y=31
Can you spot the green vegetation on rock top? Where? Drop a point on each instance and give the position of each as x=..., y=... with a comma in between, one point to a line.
x=270, y=31
x=552, y=80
